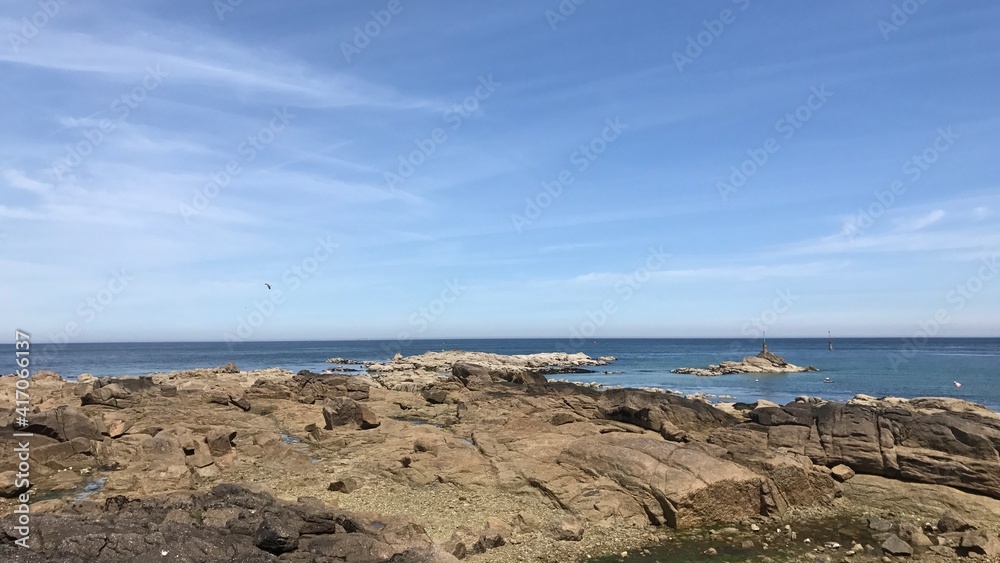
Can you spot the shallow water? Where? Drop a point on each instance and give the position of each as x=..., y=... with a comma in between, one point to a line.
x=690, y=546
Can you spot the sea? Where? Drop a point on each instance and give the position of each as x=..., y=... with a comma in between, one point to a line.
x=964, y=368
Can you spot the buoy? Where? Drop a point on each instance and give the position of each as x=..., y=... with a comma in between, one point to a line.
x=957, y=384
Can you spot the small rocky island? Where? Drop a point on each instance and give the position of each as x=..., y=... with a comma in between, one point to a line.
x=765, y=362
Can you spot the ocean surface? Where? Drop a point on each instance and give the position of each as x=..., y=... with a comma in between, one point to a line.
x=873, y=366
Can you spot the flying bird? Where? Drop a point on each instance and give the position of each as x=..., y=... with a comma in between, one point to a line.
x=268, y=285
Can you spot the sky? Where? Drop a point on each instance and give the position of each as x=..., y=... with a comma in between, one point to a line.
x=584, y=168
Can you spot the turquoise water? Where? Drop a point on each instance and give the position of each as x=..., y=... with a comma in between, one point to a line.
x=874, y=366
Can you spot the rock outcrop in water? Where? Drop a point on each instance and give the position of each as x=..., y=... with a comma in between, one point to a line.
x=764, y=362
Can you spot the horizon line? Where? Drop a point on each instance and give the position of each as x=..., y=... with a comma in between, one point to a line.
x=553, y=338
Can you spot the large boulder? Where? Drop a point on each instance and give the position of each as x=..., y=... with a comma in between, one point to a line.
x=342, y=411
x=324, y=386
x=661, y=412
x=120, y=392
x=672, y=484
x=927, y=441
x=64, y=423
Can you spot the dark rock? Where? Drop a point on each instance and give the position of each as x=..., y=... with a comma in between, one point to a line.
x=8, y=485
x=120, y=392
x=345, y=485
x=952, y=523
x=342, y=411
x=650, y=410
x=240, y=401
x=879, y=524
x=63, y=423
x=257, y=528
x=435, y=396
x=979, y=542
x=220, y=441
x=466, y=372
x=278, y=533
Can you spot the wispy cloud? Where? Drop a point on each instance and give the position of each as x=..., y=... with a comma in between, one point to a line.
x=17, y=179
x=918, y=223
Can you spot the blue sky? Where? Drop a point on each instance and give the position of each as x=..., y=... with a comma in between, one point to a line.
x=500, y=168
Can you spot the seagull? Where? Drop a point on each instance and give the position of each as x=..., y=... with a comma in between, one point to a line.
x=957, y=384
x=268, y=285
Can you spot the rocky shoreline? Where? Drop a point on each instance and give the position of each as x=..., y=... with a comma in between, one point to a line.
x=457, y=455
